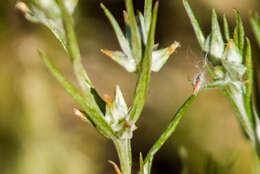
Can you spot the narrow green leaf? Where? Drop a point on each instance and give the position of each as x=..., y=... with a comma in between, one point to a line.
x=58, y=34
x=73, y=48
x=127, y=27
x=148, y=7
x=141, y=163
x=169, y=130
x=217, y=43
x=124, y=44
x=144, y=31
x=51, y=18
x=257, y=129
x=256, y=94
x=241, y=32
x=226, y=28
x=35, y=15
x=216, y=32
x=74, y=52
x=199, y=34
x=136, y=42
x=235, y=36
x=145, y=74
x=255, y=23
x=249, y=76
x=69, y=32
x=88, y=106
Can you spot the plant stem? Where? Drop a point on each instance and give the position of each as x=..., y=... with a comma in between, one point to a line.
x=168, y=132
x=145, y=73
x=123, y=147
x=79, y=71
x=242, y=114
x=73, y=48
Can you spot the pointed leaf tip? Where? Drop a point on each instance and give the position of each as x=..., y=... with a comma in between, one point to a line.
x=226, y=28
x=173, y=47
x=108, y=99
x=83, y=117
x=136, y=42
x=116, y=168
x=249, y=73
x=107, y=52
x=255, y=24
x=123, y=42
x=160, y=57
x=121, y=59
x=216, y=45
x=21, y=6
x=239, y=33
x=195, y=24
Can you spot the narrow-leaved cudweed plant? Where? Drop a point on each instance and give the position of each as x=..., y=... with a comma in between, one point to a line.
x=139, y=54
x=228, y=61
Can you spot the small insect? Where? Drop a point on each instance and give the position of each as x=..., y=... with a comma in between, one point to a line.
x=198, y=82
x=199, y=78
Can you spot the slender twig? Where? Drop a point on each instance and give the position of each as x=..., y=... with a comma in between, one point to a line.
x=169, y=130
x=145, y=74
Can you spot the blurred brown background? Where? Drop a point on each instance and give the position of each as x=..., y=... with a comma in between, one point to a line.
x=39, y=134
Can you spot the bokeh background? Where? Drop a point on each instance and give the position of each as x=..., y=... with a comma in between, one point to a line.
x=39, y=133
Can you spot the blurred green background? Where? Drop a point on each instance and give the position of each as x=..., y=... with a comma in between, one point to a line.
x=39, y=133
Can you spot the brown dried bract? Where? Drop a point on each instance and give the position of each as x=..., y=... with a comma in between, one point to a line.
x=116, y=168
x=107, y=52
x=128, y=124
x=80, y=114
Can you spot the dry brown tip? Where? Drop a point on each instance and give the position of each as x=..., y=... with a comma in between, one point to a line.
x=198, y=84
x=173, y=47
x=125, y=16
x=108, y=99
x=107, y=52
x=128, y=124
x=116, y=168
x=79, y=114
x=230, y=44
x=246, y=81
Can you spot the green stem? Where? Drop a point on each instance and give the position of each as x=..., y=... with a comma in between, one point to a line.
x=145, y=73
x=123, y=147
x=73, y=49
x=242, y=114
x=168, y=132
x=79, y=71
